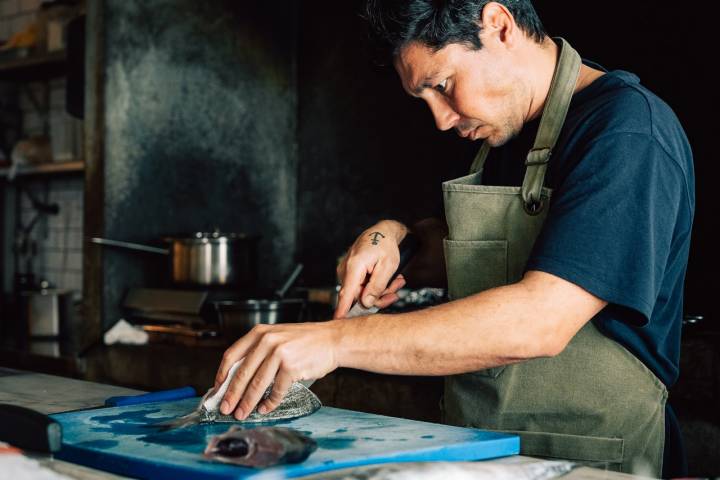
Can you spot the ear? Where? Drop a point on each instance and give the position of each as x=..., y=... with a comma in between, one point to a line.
x=498, y=25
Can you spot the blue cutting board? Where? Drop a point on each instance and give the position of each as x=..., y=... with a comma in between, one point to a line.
x=122, y=440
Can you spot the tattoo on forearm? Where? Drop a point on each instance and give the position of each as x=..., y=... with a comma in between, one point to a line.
x=376, y=236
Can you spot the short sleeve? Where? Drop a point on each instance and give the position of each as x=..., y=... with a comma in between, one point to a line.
x=611, y=222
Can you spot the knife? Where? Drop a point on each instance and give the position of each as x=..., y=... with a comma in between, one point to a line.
x=408, y=248
x=28, y=429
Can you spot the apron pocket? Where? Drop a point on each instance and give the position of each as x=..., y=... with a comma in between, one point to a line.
x=579, y=448
x=475, y=265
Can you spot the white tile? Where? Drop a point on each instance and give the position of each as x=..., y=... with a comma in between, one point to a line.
x=20, y=22
x=4, y=29
x=72, y=281
x=55, y=260
x=29, y=5
x=74, y=240
x=32, y=122
x=57, y=97
x=62, y=136
x=74, y=261
x=9, y=7
x=55, y=239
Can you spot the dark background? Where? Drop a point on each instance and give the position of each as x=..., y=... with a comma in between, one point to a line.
x=367, y=150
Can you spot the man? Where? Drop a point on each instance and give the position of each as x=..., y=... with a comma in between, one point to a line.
x=565, y=254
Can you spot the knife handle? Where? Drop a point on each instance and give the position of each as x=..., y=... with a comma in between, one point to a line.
x=29, y=430
x=408, y=248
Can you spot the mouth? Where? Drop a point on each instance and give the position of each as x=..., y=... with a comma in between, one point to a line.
x=471, y=134
x=466, y=133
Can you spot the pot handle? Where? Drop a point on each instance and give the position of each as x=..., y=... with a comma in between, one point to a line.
x=129, y=245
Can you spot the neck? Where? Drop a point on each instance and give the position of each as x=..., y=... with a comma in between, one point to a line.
x=542, y=69
x=541, y=66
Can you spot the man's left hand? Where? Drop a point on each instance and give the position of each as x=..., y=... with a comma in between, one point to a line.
x=276, y=353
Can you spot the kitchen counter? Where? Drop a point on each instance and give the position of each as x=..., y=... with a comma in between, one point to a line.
x=51, y=394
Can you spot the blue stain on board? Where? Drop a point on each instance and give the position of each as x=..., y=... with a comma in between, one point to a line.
x=428, y=436
x=127, y=423
x=341, y=430
x=98, y=444
x=334, y=443
x=190, y=439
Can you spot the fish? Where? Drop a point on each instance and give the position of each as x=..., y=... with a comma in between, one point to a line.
x=260, y=447
x=298, y=402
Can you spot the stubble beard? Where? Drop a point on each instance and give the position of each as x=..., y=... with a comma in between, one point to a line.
x=503, y=135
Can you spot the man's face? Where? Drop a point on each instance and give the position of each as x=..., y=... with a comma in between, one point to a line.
x=479, y=93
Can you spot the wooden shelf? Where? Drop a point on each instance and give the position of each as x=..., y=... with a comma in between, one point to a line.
x=33, y=68
x=46, y=169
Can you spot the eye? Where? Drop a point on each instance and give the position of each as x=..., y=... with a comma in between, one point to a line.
x=440, y=87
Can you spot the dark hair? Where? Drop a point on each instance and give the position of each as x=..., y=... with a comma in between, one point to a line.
x=437, y=23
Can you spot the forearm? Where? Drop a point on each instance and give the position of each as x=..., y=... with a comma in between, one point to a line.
x=496, y=327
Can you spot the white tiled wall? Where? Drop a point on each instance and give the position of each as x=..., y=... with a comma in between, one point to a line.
x=58, y=237
x=15, y=15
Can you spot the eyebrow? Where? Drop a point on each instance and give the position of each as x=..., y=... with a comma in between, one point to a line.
x=425, y=83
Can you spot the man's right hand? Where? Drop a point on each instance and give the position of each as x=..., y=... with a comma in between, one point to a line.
x=369, y=265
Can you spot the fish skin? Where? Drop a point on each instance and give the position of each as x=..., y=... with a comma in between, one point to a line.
x=299, y=401
x=260, y=447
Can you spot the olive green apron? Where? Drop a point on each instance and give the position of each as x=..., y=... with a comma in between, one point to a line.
x=593, y=403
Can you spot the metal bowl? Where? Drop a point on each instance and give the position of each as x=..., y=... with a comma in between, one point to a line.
x=236, y=318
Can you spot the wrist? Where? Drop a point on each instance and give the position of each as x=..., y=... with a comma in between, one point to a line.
x=345, y=343
x=393, y=228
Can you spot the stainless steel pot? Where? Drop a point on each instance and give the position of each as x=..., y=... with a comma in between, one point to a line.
x=236, y=318
x=207, y=259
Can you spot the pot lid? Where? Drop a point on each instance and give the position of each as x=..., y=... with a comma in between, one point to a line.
x=215, y=235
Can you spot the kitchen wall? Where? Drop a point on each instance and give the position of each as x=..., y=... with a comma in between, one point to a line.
x=200, y=122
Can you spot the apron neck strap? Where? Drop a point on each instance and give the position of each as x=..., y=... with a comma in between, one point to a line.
x=553, y=117
x=480, y=158
x=555, y=110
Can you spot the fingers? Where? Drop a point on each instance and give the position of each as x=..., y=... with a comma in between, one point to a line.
x=386, y=300
x=236, y=351
x=282, y=386
x=352, y=285
x=260, y=382
x=242, y=378
x=389, y=296
x=397, y=283
x=340, y=270
x=378, y=282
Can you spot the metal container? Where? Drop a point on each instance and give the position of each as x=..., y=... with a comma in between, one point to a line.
x=205, y=259
x=48, y=312
x=236, y=318
x=214, y=259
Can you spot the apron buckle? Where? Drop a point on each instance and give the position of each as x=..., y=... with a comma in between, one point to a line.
x=538, y=156
x=534, y=207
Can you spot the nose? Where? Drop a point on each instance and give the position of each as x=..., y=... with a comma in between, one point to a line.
x=445, y=117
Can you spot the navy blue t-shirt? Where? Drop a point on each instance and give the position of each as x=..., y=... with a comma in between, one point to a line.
x=620, y=212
